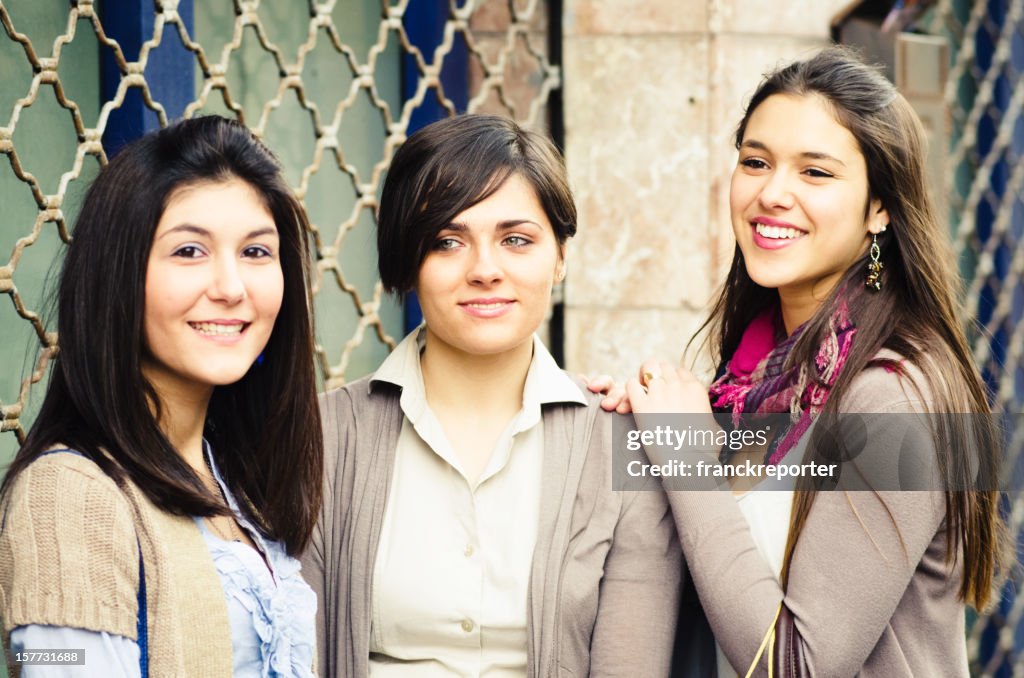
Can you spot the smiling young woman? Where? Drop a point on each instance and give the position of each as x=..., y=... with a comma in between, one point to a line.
x=841, y=300
x=799, y=200
x=175, y=466
x=469, y=526
x=214, y=287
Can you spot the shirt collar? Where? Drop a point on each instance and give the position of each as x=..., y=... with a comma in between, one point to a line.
x=545, y=382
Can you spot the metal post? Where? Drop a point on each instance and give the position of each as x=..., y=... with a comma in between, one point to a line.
x=170, y=69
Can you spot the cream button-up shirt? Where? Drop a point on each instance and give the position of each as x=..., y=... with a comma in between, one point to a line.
x=453, y=565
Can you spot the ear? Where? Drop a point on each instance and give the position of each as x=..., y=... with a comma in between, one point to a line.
x=560, y=265
x=878, y=217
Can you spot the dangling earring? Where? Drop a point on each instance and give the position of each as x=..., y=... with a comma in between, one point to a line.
x=874, y=279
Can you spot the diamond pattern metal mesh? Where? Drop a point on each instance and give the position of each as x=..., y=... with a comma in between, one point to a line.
x=319, y=81
x=983, y=184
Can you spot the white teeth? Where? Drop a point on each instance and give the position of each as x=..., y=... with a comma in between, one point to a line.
x=777, y=232
x=217, y=329
x=494, y=305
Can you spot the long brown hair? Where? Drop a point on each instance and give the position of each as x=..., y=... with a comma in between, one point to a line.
x=264, y=429
x=915, y=314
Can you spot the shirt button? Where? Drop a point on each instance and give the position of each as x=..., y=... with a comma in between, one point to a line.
x=469, y=550
x=467, y=625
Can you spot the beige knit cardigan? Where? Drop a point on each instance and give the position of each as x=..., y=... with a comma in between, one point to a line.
x=69, y=556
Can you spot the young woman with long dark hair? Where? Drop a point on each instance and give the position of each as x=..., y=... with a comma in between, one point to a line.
x=154, y=512
x=841, y=299
x=469, y=525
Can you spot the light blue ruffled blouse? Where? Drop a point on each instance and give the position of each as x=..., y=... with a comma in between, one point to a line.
x=271, y=613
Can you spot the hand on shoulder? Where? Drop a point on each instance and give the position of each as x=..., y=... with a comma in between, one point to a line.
x=661, y=387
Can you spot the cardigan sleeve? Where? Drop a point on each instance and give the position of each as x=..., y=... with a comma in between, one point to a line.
x=634, y=632
x=319, y=568
x=68, y=549
x=853, y=562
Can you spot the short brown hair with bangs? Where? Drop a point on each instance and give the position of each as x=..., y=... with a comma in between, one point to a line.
x=451, y=165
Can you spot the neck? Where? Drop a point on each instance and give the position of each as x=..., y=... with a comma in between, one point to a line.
x=490, y=384
x=797, y=309
x=182, y=419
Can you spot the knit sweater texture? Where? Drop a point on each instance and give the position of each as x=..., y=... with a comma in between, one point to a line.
x=70, y=540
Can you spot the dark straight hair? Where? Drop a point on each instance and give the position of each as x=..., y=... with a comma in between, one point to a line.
x=916, y=313
x=451, y=165
x=264, y=429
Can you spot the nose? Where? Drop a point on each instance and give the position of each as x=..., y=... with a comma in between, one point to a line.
x=484, y=268
x=776, y=192
x=227, y=285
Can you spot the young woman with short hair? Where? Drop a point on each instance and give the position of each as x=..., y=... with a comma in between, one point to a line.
x=469, y=525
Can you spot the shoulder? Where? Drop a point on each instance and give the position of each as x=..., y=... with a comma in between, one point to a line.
x=356, y=418
x=60, y=475
x=61, y=492
x=68, y=547
x=590, y=434
x=341, y=408
x=589, y=416
x=890, y=383
x=592, y=400
x=336, y=400
x=360, y=403
x=585, y=422
x=359, y=395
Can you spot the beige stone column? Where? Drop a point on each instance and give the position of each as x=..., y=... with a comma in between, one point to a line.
x=653, y=91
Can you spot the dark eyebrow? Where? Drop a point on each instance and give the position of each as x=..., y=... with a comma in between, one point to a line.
x=460, y=227
x=816, y=155
x=811, y=155
x=512, y=223
x=260, y=232
x=204, y=232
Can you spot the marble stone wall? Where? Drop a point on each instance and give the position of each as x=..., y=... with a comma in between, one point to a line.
x=653, y=91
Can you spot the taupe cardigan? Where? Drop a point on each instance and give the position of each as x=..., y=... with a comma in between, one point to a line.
x=870, y=587
x=605, y=580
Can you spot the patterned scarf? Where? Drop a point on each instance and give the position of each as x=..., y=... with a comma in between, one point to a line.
x=757, y=381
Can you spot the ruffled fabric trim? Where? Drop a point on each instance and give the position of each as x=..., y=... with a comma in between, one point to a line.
x=282, y=613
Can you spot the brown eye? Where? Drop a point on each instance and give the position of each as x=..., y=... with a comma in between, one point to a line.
x=257, y=252
x=188, y=252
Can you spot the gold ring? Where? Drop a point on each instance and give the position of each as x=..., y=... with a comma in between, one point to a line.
x=647, y=377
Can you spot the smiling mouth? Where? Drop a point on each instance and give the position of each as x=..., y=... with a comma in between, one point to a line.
x=488, y=306
x=219, y=329
x=777, y=232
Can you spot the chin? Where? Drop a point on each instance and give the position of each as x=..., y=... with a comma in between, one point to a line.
x=226, y=377
x=766, y=278
x=491, y=345
x=487, y=348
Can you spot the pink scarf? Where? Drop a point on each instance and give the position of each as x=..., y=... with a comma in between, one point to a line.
x=758, y=381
